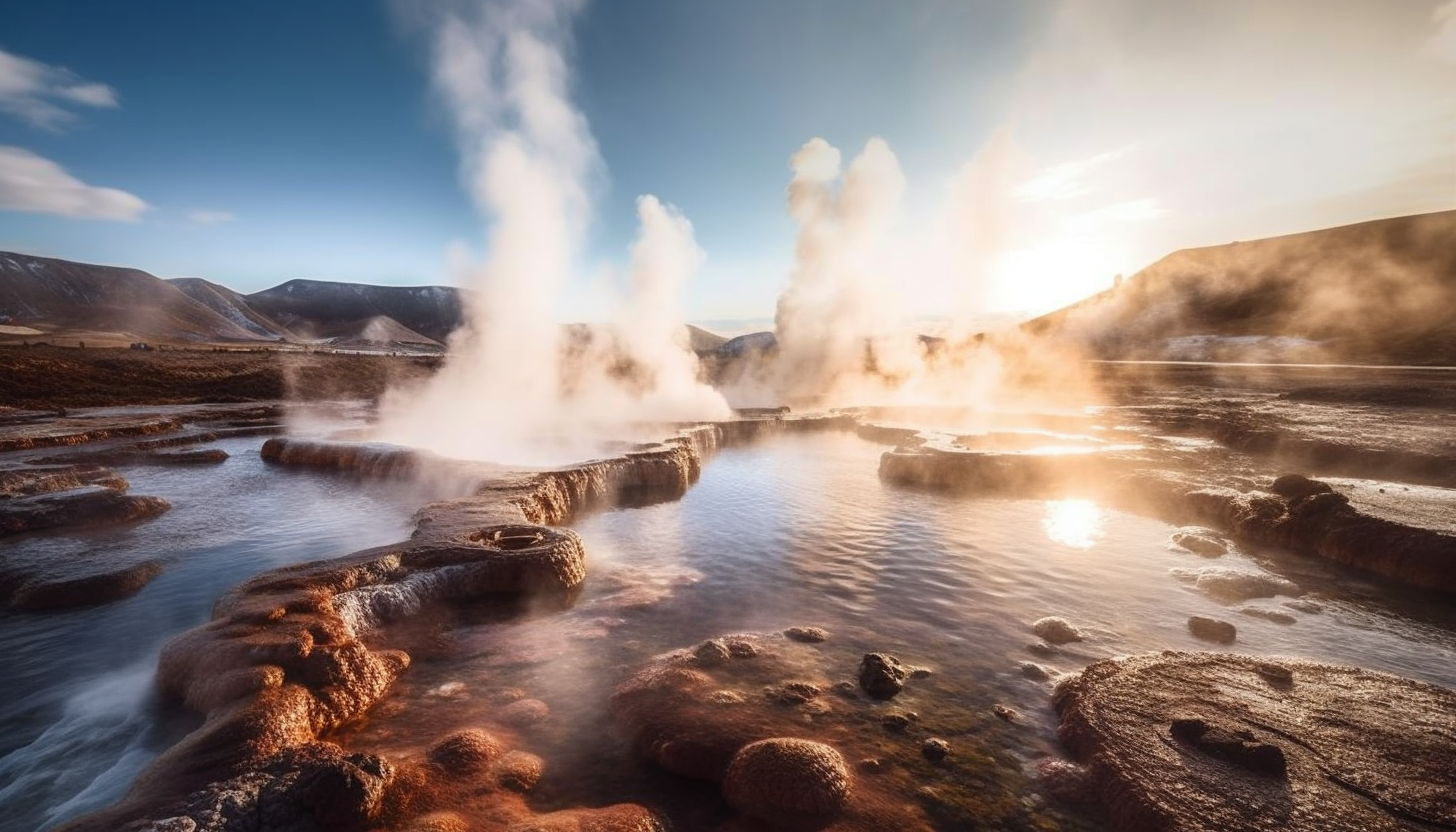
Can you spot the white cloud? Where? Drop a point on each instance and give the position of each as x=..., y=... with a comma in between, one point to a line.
x=203, y=216
x=1442, y=45
x=36, y=185
x=36, y=93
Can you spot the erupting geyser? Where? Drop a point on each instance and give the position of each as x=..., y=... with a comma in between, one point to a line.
x=512, y=388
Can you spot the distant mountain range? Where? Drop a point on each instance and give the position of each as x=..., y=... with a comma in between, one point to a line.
x=1375, y=292
x=77, y=300
x=43, y=298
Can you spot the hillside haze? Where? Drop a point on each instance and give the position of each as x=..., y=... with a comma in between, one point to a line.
x=1381, y=292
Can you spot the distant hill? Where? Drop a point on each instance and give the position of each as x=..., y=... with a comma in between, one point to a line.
x=702, y=341
x=87, y=298
x=59, y=298
x=1374, y=292
x=232, y=306
x=317, y=308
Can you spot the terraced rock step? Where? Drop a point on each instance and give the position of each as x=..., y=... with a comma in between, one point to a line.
x=1195, y=742
x=87, y=505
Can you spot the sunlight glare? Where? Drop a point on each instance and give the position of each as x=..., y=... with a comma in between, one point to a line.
x=1074, y=523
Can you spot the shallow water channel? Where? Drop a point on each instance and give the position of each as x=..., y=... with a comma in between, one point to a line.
x=77, y=718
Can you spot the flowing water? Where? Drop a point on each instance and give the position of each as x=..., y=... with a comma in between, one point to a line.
x=797, y=530
x=77, y=719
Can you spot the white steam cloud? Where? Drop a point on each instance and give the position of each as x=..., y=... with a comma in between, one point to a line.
x=528, y=158
x=841, y=297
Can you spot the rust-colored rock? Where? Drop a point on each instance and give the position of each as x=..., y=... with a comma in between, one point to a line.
x=787, y=782
x=465, y=752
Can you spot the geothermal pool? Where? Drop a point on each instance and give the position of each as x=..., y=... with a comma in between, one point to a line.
x=793, y=530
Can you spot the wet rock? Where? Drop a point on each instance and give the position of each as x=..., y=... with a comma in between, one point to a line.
x=899, y=721
x=935, y=749
x=1211, y=629
x=1056, y=630
x=87, y=506
x=524, y=712
x=1041, y=648
x=1005, y=713
x=742, y=648
x=1036, y=672
x=465, y=752
x=807, y=635
x=787, y=782
x=519, y=771
x=1298, y=487
x=134, y=456
x=1201, y=543
x=882, y=675
x=1305, y=605
x=1232, y=586
x=81, y=584
x=347, y=793
x=1360, y=750
x=1273, y=616
x=793, y=693
x=31, y=479
x=712, y=652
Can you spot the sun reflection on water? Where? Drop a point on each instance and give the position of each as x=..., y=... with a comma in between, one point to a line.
x=1074, y=523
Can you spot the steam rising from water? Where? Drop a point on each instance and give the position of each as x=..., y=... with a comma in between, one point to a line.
x=527, y=157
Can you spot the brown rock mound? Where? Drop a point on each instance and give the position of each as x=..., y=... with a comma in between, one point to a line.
x=1181, y=742
x=787, y=782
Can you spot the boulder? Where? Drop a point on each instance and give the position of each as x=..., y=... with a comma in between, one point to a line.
x=1211, y=629
x=882, y=675
x=1056, y=630
x=787, y=782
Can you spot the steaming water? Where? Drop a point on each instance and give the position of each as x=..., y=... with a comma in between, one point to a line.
x=800, y=530
x=77, y=719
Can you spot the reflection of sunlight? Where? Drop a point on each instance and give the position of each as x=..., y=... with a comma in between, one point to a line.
x=1075, y=523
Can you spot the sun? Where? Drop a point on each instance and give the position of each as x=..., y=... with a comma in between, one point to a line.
x=1073, y=523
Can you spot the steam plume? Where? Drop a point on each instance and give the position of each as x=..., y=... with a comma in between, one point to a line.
x=841, y=296
x=527, y=158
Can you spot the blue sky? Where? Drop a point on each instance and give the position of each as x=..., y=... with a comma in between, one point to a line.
x=273, y=140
